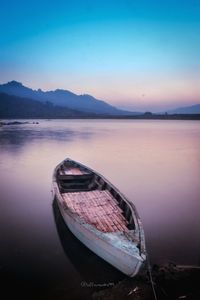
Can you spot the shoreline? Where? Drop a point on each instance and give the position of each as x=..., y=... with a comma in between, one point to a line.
x=170, y=282
x=145, y=116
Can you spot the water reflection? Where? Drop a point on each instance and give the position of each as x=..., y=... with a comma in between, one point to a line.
x=156, y=164
x=20, y=136
x=90, y=267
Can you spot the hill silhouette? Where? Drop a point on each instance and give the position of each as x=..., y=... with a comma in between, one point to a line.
x=59, y=97
x=18, y=107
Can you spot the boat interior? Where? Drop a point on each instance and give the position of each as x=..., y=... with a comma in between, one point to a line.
x=93, y=199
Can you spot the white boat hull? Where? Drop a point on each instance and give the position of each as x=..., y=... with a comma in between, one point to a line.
x=125, y=262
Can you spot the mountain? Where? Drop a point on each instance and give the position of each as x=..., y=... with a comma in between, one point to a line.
x=194, y=109
x=21, y=107
x=85, y=103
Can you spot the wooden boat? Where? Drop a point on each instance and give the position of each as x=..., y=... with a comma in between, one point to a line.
x=99, y=215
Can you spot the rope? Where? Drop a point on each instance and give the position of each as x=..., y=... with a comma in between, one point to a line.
x=150, y=277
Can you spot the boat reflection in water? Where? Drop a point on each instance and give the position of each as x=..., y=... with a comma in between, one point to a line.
x=91, y=268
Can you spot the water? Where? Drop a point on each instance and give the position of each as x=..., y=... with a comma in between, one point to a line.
x=156, y=164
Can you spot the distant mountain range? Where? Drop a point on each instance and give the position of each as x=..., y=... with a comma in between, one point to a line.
x=194, y=109
x=18, y=101
x=64, y=98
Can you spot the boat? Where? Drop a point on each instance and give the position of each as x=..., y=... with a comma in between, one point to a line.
x=100, y=216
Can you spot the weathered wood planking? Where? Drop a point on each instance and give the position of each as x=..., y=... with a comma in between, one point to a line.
x=98, y=208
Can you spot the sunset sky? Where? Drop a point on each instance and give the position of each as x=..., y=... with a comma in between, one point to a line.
x=136, y=54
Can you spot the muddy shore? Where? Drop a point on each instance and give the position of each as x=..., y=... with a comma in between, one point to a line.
x=171, y=282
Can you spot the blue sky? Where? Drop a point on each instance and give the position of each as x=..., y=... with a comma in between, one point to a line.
x=134, y=54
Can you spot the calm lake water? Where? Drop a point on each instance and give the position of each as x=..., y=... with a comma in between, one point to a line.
x=156, y=164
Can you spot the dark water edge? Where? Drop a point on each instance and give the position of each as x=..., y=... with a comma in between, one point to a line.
x=169, y=281
x=95, y=274
x=100, y=281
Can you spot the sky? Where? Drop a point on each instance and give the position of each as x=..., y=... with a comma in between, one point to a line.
x=135, y=54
